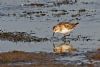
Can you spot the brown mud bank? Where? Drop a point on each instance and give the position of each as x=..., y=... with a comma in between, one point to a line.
x=35, y=4
x=57, y=2
x=20, y=56
x=20, y=36
x=94, y=55
x=47, y=65
x=40, y=59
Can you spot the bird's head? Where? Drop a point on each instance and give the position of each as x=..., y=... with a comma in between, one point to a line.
x=56, y=29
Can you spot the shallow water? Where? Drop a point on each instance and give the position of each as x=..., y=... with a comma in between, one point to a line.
x=13, y=18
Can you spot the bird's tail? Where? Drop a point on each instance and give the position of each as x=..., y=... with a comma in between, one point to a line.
x=76, y=23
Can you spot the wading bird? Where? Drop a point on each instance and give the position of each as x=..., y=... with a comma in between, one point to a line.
x=64, y=28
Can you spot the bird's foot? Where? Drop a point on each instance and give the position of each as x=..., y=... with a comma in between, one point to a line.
x=54, y=39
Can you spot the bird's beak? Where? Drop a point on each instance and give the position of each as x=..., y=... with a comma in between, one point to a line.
x=53, y=34
x=53, y=45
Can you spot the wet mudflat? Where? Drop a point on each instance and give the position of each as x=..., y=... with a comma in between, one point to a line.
x=41, y=59
x=26, y=33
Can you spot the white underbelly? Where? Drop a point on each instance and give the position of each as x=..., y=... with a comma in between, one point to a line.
x=66, y=31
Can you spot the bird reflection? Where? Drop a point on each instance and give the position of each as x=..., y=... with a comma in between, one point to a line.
x=63, y=48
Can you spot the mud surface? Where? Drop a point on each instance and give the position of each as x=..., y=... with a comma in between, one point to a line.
x=21, y=59
x=26, y=26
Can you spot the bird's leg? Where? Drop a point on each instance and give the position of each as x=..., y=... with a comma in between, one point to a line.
x=53, y=34
x=54, y=47
x=64, y=38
